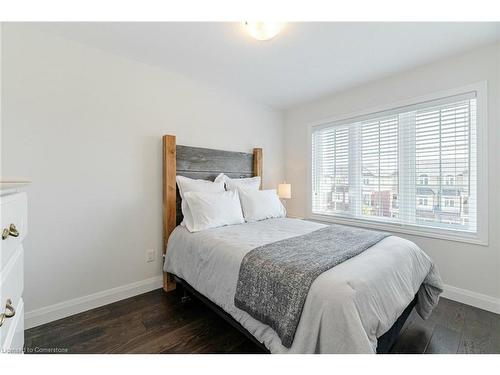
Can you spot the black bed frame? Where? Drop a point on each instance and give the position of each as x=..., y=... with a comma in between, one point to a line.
x=385, y=342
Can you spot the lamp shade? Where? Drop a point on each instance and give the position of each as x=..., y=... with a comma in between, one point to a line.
x=285, y=191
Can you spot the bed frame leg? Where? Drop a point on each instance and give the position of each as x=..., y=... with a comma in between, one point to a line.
x=168, y=282
x=186, y=298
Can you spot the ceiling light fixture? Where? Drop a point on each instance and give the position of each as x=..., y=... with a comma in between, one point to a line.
x=264, y=30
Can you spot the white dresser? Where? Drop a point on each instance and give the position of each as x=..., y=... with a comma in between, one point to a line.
x=14, y=227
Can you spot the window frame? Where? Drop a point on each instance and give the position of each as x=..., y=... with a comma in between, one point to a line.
x=481, y=235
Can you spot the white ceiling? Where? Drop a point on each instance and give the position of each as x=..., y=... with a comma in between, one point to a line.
x=305, y=61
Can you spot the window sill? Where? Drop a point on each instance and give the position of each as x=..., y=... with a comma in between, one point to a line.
x=412, y=230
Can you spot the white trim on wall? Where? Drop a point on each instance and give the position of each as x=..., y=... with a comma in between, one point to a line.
x=468, y=297
x=77, y=305
x=74, y=306
x=479, y=238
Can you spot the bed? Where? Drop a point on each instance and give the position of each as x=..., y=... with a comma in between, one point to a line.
x=358, y=306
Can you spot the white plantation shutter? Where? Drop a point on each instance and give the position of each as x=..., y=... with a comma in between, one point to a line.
x=379, y=166
x=443, y=141
x=412, y=166
x=331, y=171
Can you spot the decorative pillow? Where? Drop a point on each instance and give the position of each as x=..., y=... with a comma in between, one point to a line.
x=235, y=183
x=186, y=185
x=260, y=204
x=212, y=210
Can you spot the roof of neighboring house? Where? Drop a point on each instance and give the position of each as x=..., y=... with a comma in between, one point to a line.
x=425, y=191
x=451, y=192
x=366, y=172
x=340, y=189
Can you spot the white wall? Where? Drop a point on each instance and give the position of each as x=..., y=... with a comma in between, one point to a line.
x=85, y=126
x=473, y=268
x=1, y=102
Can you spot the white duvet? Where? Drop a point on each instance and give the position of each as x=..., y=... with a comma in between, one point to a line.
x=347, y=307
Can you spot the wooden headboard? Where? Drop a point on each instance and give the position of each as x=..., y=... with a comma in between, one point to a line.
x=198, y=163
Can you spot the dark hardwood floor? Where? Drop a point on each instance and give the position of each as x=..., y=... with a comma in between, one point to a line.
x=157, y=322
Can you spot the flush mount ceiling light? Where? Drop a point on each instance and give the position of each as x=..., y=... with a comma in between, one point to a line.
x=263, y=30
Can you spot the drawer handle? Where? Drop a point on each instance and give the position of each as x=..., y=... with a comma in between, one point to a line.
x=10, y=231
x=10, y=311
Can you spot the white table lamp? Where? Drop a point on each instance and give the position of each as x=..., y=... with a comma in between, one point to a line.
x=285, y=191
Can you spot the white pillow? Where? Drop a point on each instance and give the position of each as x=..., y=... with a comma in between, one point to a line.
x=188, y=184
x=235, y=183
x=260, y=204
x=212, y=210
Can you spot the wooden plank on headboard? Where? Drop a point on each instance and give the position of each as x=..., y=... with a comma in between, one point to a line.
x=197, y=159
x=169, y=199
x=257, y=163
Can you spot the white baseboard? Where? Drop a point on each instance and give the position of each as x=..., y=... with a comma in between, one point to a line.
x=481, y=301
x=77, y=305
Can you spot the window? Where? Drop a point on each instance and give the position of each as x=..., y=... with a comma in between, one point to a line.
x=334, y=165
x=414, y=166
x=449, y=203
x=423, y=201
x=423, y=179
x=395, y=202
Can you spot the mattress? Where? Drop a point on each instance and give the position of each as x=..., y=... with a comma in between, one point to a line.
x=347, y=308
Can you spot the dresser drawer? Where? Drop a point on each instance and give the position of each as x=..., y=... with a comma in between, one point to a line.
x=11, y=288
x=13, y=210
x=14, y=339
